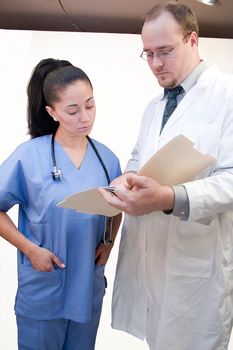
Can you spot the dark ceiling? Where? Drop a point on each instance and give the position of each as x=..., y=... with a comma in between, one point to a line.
x=108, y=16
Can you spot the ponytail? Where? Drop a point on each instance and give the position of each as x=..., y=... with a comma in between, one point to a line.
x=39, y=121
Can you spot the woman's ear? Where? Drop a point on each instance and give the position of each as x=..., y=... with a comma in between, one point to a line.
x=51, y=113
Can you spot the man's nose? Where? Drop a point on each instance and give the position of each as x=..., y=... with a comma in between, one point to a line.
x=156, y=62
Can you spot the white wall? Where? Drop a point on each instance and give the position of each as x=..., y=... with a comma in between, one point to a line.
x=122, y=84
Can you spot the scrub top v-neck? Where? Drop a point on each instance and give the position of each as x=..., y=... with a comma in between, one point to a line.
x=68, y=164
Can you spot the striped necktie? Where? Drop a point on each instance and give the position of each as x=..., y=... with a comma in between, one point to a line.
x=171, y=103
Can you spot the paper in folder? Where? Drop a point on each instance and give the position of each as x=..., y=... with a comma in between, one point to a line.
x=89, y=201
x=175, y=163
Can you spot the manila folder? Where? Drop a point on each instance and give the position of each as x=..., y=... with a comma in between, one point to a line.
x=177, y=162
x=89, y=201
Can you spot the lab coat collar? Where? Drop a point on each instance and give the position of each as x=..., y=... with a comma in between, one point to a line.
x=191, y=79
x=207, y=77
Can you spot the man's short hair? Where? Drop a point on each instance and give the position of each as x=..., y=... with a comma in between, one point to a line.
x=182, y=14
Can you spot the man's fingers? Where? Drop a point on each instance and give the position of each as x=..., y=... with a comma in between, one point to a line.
x=135, y=181
x=113, y=199
x=106, y=194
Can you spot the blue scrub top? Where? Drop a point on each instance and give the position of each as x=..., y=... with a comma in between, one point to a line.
x=74, y=292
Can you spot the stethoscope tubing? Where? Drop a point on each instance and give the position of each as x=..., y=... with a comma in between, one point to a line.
x=57, y=175
x=55, y=168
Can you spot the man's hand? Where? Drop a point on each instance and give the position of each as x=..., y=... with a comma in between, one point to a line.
x=120, y=180
x=138, y=195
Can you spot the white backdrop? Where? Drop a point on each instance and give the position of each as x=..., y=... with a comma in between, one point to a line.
x=123, y=85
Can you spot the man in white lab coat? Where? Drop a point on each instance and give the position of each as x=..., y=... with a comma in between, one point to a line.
x=174, y=279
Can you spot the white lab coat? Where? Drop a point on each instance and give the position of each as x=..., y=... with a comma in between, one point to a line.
x=174, y=279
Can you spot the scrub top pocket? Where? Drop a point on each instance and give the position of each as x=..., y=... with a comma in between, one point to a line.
x=41, y=287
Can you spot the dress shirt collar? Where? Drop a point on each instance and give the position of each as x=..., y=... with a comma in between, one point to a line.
x=191, y=79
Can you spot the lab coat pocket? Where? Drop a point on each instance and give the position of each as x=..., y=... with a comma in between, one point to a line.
x=192, y=247
x=42, y=287
x=204, y=135
x=99, y=285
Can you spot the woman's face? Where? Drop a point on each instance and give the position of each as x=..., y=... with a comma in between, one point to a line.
x=75, y=110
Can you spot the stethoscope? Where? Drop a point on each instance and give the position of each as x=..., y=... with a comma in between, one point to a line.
x=57, y=176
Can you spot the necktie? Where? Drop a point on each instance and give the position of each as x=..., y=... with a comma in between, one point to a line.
x=171, y=103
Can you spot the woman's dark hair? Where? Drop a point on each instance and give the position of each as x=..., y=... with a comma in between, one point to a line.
x=49, y=77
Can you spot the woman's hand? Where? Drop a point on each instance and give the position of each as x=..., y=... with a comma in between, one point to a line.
x=43, y=260
x=102, y=253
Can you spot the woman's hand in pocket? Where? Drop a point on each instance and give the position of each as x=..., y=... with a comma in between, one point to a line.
x=43, y=260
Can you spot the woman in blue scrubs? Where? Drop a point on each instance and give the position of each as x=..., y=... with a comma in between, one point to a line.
x=61, y=255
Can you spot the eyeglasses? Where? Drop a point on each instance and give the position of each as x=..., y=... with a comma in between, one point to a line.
x=148, y=55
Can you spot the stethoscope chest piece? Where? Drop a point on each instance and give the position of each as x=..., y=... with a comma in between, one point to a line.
x=56, y=174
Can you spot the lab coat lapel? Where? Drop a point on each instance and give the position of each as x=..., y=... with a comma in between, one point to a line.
x=192, y=97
